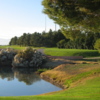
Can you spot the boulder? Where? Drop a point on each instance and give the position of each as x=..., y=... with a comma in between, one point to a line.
x=28, y=58
x=7, y=56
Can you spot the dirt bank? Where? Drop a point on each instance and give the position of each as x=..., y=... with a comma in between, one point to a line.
x=63, y=70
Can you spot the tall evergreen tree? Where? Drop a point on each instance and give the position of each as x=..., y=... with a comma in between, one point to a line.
x=74, y=14
x=13, y=41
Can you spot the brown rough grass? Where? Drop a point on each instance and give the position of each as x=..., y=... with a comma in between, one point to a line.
x=65, y=71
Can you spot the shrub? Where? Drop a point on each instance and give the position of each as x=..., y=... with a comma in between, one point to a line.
x=27, y=54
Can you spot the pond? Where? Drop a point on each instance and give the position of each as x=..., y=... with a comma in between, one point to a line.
x=21, y=82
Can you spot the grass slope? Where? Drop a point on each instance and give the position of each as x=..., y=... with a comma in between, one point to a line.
x=71, y=52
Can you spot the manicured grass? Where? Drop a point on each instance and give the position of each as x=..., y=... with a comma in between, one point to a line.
x=71, y=52
x=61, y=52
x=81, y=76
x=17, y=47
x=14, y=47
x=90, y=90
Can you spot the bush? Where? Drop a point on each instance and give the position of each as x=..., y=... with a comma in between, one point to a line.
x=27, y=54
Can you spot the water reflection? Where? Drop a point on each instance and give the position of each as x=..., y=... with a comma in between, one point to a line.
x=25, y=75
x=6, y=72
x=23, y=81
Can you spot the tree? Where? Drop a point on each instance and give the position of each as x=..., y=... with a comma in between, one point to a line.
x=58, y=36
x=72, y=34
x=20, y=40
x=27, y=39
x=13, y=41
x=36, y=39
x=74, y=14
x=97, y=45
x=50, y=36
x=61, y=43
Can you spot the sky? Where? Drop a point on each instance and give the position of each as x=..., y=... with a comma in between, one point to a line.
x=22, y=16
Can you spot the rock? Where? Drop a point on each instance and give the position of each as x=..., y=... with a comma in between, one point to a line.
x=3, y=58
x=6, y=56
x=28, y=58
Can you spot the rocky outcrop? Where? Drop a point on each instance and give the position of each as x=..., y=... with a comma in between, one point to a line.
x=28, y=58
x=6, y=56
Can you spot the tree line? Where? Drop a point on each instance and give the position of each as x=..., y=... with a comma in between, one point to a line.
x=36, y=39
x=84, y=41
x=56, y=39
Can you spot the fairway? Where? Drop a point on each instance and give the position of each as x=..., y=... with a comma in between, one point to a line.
x=60, y=52
x=13, y=46
x=71, y=52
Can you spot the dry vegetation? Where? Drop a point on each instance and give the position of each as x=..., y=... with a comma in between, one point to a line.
x=67, y=69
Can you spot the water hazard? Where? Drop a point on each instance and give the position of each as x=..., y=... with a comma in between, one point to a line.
x=21, y=82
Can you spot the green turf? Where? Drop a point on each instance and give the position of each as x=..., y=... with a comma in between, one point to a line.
x=71, y=52
x=14, y=47
x=62, y=52
x=81, y=76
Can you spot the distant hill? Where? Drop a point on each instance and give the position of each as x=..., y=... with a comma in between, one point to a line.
x=4, y=41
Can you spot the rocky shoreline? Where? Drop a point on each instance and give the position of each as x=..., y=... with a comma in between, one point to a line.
x=27, y=58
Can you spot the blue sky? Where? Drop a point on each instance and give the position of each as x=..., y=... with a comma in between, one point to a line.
x=22, y=16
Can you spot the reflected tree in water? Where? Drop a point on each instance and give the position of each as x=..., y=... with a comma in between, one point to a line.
x=6, y=72
x=25, y=75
